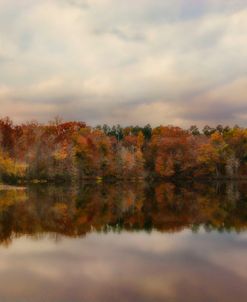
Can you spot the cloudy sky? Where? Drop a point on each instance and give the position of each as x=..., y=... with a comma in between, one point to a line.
x=124, y=61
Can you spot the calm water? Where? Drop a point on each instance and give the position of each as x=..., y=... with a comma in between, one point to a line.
x=126, y=242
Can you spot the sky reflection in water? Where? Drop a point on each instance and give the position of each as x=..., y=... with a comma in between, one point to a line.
x=117, y=262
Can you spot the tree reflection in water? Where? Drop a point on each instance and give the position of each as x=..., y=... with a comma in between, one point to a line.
x=165, y=207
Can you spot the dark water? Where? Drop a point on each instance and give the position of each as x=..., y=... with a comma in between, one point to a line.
x=125, y=242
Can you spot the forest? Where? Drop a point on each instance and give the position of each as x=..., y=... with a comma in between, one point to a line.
x=73, y=151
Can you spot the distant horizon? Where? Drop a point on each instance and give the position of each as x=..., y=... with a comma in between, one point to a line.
x=60, y=120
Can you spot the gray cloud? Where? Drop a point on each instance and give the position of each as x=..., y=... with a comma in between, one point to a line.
x=124, y=62
x=202, y=267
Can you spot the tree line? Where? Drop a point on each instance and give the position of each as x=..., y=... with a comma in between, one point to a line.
x=73, y=151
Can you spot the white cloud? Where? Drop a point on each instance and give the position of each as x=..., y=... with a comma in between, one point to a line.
x=119, y=61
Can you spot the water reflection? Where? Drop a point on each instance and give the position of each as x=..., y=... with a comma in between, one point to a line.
x=126, y=242
x=164, y=207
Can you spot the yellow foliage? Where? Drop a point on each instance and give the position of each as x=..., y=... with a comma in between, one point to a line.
x=140, y=139
x=11, y=168
x=60, y=154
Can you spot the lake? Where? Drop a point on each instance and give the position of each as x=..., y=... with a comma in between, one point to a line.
x=124, y=242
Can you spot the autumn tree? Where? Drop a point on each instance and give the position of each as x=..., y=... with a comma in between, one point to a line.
x=213, y=155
